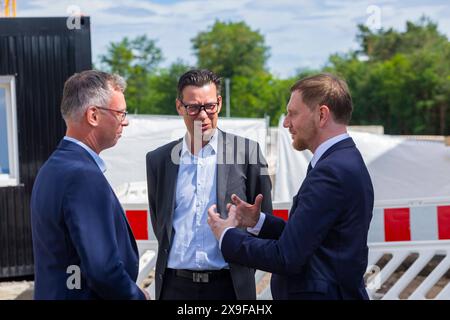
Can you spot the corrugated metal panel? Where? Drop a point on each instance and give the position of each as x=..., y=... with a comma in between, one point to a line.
x=15, y=236
x=41, y=53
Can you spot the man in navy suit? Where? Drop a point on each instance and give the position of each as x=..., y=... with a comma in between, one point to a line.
x=320, y=253
x=82, y=243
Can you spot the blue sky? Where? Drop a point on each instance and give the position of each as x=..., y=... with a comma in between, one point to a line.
x=301, y=34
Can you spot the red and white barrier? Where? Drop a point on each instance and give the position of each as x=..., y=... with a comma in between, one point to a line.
x=409, y=220
x=398, y=229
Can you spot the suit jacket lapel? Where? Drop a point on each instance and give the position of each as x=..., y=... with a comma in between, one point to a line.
x=130, y=231
x=224, y=147
x=346, y=143
x=171, y=170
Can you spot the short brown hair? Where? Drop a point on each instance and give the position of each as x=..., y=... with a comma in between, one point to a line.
x=327, y=89
x=198, y=78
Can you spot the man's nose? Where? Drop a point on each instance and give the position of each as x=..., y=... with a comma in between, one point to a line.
x=125, y=122
x=202, y=114
x=286, y=122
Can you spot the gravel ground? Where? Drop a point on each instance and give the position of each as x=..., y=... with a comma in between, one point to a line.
x=23, y=290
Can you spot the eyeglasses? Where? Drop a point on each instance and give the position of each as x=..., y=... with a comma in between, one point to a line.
x=123, y=114
x=195, y=109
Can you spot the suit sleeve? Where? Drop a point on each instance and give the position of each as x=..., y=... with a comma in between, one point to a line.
x=89, y=214
x=319, y=205
x=272, y=228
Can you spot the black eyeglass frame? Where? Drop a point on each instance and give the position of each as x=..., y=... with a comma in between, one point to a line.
x=200, y=107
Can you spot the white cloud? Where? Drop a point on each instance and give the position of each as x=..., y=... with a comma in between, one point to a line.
x=300, y=33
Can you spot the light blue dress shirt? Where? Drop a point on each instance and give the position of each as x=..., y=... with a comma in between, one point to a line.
x=194, y=246
x=99, y=161
x=324, y=146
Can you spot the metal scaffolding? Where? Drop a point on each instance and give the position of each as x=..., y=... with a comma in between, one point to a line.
x=8, y=8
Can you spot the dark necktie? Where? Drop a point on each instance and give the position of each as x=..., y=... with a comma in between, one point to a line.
x=309, y=168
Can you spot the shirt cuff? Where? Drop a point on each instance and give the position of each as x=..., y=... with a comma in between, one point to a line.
x=221, y=237
x=257, y=228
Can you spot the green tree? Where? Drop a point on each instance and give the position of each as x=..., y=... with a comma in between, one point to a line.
x=163, y=93
x=403, y=80
x=384, y=44
x=135, y=60
x=129, y=57
x=259, y=96
x=231, y=49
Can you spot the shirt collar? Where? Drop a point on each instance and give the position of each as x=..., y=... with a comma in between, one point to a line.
x=99, y=161
x=324, y=146
x=209, y=149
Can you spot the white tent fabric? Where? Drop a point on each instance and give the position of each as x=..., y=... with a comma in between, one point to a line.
x=400, y=169
x=126, y=161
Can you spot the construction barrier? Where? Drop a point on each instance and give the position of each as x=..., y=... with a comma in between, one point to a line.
x=415, y=270
x=409, y=254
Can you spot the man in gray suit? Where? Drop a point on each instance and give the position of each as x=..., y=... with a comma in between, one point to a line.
x=184, y=178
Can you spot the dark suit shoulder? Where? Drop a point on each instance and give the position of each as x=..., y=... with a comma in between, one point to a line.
x=68, y=163
x=346, y=157
x=346, y=165
x=68, y=170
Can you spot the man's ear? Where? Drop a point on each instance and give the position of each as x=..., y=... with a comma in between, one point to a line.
x=219, y=107
x=324, y=115
x=180, y=107
x=92, y=116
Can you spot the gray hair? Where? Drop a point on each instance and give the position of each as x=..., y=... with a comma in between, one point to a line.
x=88, y=88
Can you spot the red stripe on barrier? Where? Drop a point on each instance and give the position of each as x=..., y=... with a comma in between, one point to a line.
x=443, y=222
x=138, y=223
x=281, y=213
x=397, y=224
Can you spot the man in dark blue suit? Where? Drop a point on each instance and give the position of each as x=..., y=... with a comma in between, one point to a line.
x=83, y=246
x=320, y=253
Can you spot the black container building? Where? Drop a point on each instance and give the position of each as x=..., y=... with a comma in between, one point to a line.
x=37, y=55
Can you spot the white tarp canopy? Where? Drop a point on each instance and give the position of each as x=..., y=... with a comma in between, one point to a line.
x=400, y=168
x=126, y=161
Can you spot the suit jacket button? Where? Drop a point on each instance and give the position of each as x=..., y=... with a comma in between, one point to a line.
x=166, y=251
x=160, y=276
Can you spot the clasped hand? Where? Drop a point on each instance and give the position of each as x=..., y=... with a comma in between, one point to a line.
x=240, y=214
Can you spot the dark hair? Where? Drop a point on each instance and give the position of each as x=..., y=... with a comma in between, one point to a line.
x=327, y=89
x=198, y=78
x=90, y=87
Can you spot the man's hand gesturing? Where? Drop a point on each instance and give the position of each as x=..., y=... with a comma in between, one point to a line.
x=246, y=214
